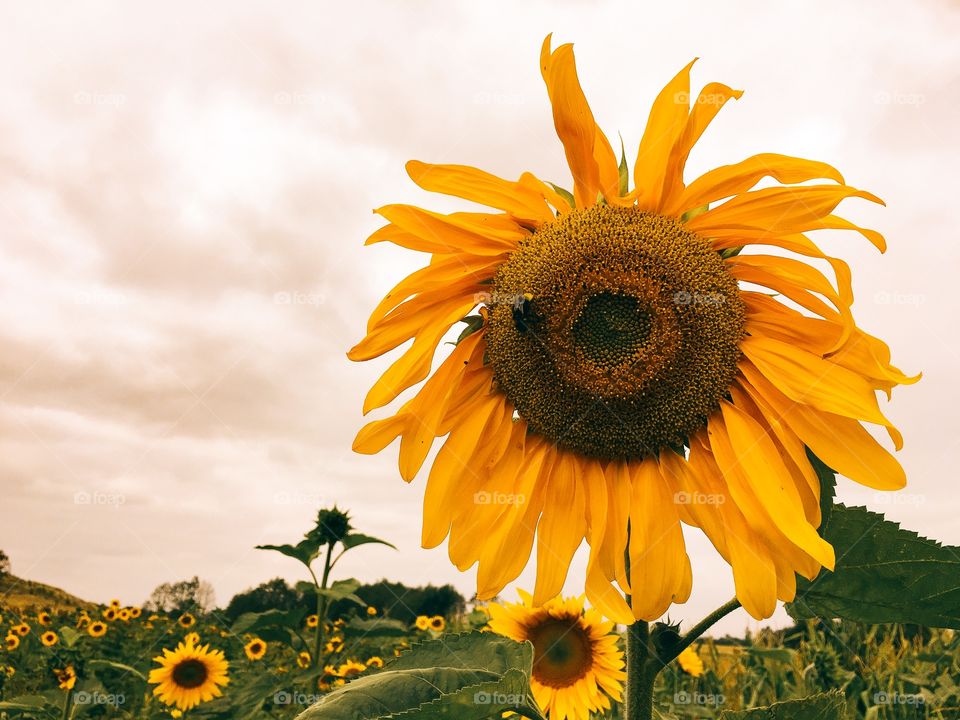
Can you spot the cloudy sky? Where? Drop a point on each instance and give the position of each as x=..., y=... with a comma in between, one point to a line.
x=184, y=193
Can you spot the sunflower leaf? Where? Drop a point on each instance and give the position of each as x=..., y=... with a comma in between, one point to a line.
x=825, y=706
x=565, y=194
x=479, y=702
x=376, y=627
x=120, y=667
x=250, y=622
x=828, y=488
x=473, y=649
x=305, y=551
x=884, y=574
x=623, y=170
x=354, y=539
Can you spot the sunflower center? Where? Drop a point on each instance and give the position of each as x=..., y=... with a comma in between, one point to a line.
x=630, y=340
x=562, y=652
x=190, y=674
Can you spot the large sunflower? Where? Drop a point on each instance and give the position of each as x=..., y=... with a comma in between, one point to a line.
x=189, y=675
x=629, y=365
x=577, y=665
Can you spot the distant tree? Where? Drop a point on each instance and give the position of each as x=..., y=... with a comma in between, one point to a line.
x=272, y=594
x=404, y=603
x=4, y=564
x=193, y=596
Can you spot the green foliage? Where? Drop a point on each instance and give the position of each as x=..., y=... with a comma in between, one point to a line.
x=826, y=706
x=883, y=574
x=274, y=594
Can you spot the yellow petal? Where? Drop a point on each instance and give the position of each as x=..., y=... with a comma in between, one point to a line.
x=562, y=528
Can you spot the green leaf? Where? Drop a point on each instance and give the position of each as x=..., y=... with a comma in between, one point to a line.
x=474, y=323
x=354, y=539
x=94, y=664
x=463, y=677
x=343, y=590
x=70, y=635
x=828, y=488
x=624, y=170
x=382, y=627
x=251, y=622
x=825, y=706
x=305, y=551
x=883, y=575
x=25, y=703
x=565, y=194
x=691, y=214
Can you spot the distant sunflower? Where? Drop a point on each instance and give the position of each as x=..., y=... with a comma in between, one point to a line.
x=135, y=612
x=690, y=662
x=49, y=638
x=124, y=615
x=97, y=629
x=371, y=610
x=66, y=677
x=22, y=629
x=438, y=623
x=422, y=622
x=334, y=645
x=350, y=668
x=303, y=659
x=11, y=642
x=186, y=620
x=115, y=603
x=189, y=675
x=577, y=664
x=255, y=649
x=110, y=614
x=83, y=620
x=376, y=661
x=192, y=637
x=44, y=618
x=312, y=621
x=620, y=372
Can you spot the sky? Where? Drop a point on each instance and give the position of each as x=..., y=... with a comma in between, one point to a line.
x=185, y=189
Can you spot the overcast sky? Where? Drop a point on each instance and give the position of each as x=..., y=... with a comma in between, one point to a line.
x=185, y=189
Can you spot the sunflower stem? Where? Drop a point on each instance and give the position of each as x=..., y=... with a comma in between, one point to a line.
x=641, y=673
x=699, y=629
x=67, y=706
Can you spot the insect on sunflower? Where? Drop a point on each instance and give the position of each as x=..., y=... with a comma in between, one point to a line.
x=577, y=663
x=621, y=372
x=189, y=675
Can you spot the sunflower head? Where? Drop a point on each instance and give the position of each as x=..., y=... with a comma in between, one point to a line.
x=577, y=664
x=110, y=614
x=332, y=526
x=66, y=677
x=312, y=621
x=135, y=612
x=646, y=351
x=374, y=662
x=350, y=668
x=186, y=620
x=690, y=662
x=438, y=623
x=189, y=675
x=11, y=642
x=422, y=622
x=303, y=659
x=49, y=638
x=44, y=618
x=371, y=610
x=255, y=649
x=97, y=629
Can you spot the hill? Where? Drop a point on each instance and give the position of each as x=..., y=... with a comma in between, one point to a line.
x=21, y=595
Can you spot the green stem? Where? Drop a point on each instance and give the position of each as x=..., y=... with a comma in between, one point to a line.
x=67, y=706
x=641, y=673
x=321, y=605
x=699, y=629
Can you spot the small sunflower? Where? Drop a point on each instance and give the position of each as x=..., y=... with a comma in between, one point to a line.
x=11, y=642
x=371, y=610
x=189, y=675
x=312, y=621
x=334, y=645
x=10, y=670
x=186, y=620
x=303, y=659
x=351, y=668
x=110, y=614
x=135, y=612
x=617, y=370
x=83, y=620
x=437, y=623
x=255, y=649
x=115, y=603
x=376, y=662
x=577, y=664
x=49, y=638
x=66, y=677
x=423, y=622
x=97, y=629
x=192, y=637
x=44, y=618
x=123, y=615
x=690, y=662
x=22, y=629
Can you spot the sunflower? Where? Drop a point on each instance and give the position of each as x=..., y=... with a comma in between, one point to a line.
x=350, y=669
x=312, y=621
x=83, y=620
x=66, y=677
x=303, y=659
x=619, y=372
x=135, y=612
x=376, y=662
x=189, y=675
x=334, y=645
x=124, y=615
x=97, y=629
x=115, y=603
x=192, y=637
x=44, y=618
x=11, y=642
x=110, y=614
x=422, y=622
x=22, y=629
x=371, y=610
x=690, y=662
x=438, y=623
x=255, y=649
x=577, y=664
x=49, y=638
x=186, y=620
